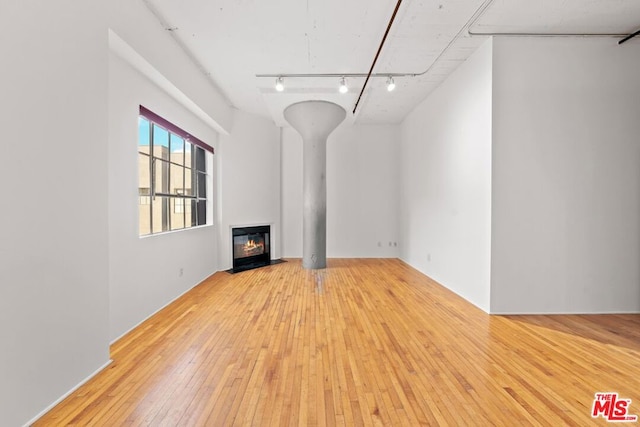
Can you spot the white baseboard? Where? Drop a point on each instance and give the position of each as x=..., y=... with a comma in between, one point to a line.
x=159, y=309
x=561, y=313
x=67, y=394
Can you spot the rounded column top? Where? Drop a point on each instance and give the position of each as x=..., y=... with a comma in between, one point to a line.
x=314, y=119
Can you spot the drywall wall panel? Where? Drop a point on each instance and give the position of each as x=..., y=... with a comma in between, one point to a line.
x=445, y=192
x=54, y=242
x=566, y=176
x=146, y=273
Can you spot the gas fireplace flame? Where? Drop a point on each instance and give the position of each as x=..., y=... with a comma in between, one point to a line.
x=253, y=248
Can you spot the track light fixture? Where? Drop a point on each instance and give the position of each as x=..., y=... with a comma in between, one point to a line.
x=343, y=86
x=280, y=84
x=391, y=85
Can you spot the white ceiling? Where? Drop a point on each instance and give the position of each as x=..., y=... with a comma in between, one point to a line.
x=233, y=40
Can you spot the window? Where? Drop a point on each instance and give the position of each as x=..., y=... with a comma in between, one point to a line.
x=144, y=193
x=173, y=177
x=179, y=204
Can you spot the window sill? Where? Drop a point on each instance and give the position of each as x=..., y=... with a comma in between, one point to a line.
x=164, y=233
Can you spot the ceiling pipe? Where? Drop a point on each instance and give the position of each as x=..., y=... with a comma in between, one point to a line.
x=629, y=37
x=478, y=16
x=373, y=64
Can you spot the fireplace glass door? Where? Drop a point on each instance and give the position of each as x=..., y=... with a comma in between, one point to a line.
x=251, y=247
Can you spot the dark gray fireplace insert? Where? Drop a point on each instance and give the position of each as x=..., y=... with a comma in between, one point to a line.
x=250, y=247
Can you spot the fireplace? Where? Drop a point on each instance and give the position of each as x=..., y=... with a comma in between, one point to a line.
x=250, y=247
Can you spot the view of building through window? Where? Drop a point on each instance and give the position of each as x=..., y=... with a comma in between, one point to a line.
x=172, y=183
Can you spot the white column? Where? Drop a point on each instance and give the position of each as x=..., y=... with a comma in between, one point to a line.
x=314, y=121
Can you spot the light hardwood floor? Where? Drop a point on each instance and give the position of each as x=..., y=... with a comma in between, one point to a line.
x=364, y=342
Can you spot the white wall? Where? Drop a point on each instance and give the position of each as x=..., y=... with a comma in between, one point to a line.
x=446, y=182
x=132, y=21
x=362, y=196
x=145, y=272
x=566, y=176
x=53, y=243
x=54, y=249
x=249, y=179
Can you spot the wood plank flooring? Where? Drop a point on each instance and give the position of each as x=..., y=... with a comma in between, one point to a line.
x=364, y=342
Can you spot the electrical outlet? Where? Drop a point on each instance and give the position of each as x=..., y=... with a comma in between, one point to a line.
x=379, y=244
x=180, y=272
x=429, y=257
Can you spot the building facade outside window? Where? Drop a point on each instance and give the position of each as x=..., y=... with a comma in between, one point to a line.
x=173, y=176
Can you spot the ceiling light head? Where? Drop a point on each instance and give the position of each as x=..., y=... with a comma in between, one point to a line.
x=279, y=84
x=343, y=86
x=391, y=85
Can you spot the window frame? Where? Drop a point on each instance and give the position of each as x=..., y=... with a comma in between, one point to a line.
x=191, y=195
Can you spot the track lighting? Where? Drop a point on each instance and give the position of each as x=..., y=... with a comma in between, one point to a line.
x=343, y=86
x=391, y=85
x=279, y=84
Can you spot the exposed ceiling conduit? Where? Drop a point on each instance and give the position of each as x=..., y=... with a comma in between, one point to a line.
x=467, y=27
x=629, y=37
x=472, y=19
x=527, y=34
x=375, y=59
